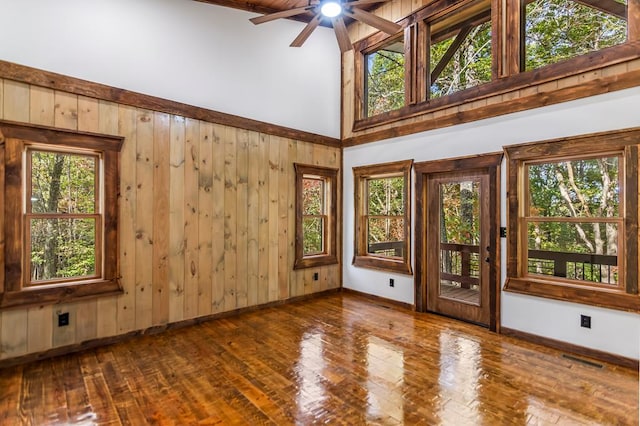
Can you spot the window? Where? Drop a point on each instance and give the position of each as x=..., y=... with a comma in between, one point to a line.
x=460, y=50
x=385, y=77
x=63, y=216
x=383, y=216
x=572, y=237
x=555, y=30
x=60, y=215
x=316, y=216
x=466, y=52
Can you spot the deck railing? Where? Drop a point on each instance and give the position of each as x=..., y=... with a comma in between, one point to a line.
x=387, y=248
x=460, y=263
x=597, y=268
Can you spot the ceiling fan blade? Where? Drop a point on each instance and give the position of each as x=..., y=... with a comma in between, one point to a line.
x=284, y=14
x=306, y=31
x=361, y=2
x=373, y=20
x=342, y=34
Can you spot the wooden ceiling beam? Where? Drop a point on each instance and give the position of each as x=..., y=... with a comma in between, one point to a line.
x=256, y=8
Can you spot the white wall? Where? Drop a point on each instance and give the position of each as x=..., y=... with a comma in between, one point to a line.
x=612, y=331
x=186, y=51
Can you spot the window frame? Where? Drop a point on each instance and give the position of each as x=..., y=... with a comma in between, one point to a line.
x=97, y=215
x=507, y=52
x=623, y=142
x=387, y=41
x=522, y=41
x=15, y=289
x=362, y=258
x=330, y=244
x=453, y=14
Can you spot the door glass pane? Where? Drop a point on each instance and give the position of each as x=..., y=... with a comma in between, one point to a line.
x=460, y=241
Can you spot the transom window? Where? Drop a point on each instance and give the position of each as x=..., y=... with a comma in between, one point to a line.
x=573, y=218
x=453, y=52
x=460, y=50
x=385, y=77
x=382, y=215
x=555, y=30
x=63, y=216
x=316, y=216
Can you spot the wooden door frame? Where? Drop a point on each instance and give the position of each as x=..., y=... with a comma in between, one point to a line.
x=486, y=163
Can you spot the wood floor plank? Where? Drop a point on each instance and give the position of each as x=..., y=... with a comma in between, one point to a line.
x=336, y=359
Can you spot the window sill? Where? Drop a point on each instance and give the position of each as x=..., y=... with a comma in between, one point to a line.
x=37, y=296
x=612, y=299
x=569, y=68
x=392, y=265
x=315, y=261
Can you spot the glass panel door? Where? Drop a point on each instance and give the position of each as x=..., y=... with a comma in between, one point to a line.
x=457, y=250
x=460, y=236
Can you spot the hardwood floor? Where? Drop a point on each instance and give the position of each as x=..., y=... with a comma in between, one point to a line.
x=339, y=359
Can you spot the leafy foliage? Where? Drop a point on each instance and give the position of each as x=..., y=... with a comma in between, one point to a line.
x=561, y=29
x=586, y=189
x=62, y=184
x=385, y=80
x=460, y=212
x=470, y=65
x=555, y=30
x=385, y=213
x=313, y=219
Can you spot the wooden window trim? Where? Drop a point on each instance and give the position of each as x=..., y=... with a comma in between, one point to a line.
x=626, y=141
x=13, y=289
x=330, y=257
x=506, y=57
x=361, y=257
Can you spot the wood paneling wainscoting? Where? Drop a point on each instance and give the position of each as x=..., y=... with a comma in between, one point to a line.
x=206, y=213
x=339, y=359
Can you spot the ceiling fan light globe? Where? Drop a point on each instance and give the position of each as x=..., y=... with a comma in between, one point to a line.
x=331, y=9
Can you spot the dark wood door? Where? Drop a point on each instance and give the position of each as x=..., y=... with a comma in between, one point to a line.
x=458, y=224
x=457, y=238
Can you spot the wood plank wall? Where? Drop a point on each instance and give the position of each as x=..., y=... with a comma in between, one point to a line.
x=206, y=219
x=602, y=80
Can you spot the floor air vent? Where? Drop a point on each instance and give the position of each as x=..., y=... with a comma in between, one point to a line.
x=583, y=361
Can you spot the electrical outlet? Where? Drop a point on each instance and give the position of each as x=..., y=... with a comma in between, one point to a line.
x=392, y=282
x=316, y=276
x=63, y=319
x=585, y=321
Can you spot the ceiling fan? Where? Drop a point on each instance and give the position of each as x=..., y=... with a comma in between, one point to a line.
x=334, y=10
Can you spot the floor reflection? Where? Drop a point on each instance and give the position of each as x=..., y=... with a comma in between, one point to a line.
x=385, y=367
x=340, y=360
x=458, y=380
x=311, y=363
